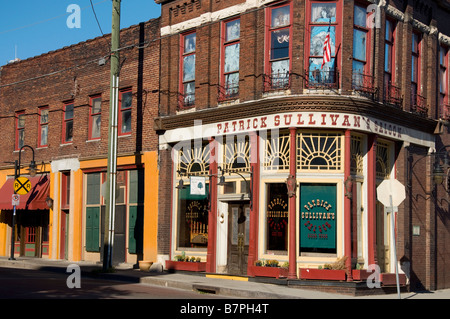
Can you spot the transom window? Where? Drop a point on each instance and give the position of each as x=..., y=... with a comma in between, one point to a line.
x=276, y=155
x=319, y=151
x=194, y=159
x=383, y=166
x=237, y=154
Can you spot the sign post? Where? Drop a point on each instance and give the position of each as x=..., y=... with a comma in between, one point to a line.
x=391, y=193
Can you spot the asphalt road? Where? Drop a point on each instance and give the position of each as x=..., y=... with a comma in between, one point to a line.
x=35, y=284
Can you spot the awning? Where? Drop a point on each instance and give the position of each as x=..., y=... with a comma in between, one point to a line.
x=34, y=200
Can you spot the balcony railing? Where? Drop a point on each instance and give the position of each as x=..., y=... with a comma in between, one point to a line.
x=186, y=101
x=364, y=83
x=322, y=79
x=276, y=81
x=393, y=95
x=445, y=111
x=228, y=92
x=419, y=104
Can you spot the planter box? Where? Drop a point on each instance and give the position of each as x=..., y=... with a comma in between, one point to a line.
x=275, y=272
x=389, y=279
x=185, y=265
x=361, y=274
x=322, y=274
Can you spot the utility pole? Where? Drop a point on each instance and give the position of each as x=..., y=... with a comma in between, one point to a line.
x=108, y=226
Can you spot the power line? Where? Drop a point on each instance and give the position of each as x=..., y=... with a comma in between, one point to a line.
x=95, y=15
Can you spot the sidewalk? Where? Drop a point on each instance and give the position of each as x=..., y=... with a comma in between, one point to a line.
x=203, y=283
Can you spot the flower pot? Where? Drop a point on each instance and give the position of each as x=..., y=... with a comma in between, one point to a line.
x=185, y=265
x=322, y=274
x=275, y=272
x=144, y=265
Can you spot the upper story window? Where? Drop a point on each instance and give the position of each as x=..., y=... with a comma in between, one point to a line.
x=125, y=106
x=322, y=39
x=279, y=50
x=20, y=129
x=391, y=93
x=418, y=103
x=43, y=127
x=361, y=76
x=95, y=112
x=443, y=81
x=230, y=62
x=187, y=83
x=67, y=129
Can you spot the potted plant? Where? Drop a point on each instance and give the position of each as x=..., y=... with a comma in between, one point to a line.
x=335, y=271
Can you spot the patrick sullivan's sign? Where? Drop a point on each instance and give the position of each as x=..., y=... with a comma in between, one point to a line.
x=317, y=217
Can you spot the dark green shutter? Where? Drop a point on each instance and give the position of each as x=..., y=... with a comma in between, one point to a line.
x=135, y=229
x=92, y=229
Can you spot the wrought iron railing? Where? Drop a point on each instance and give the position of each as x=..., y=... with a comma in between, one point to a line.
x=419, y=104
x=445, y=111
x=363, y=83
x=276, y=81
x=228, y=92
x=322, y=79
x=186, y=101
x=393, y=95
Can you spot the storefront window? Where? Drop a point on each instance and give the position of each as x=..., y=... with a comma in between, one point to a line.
x=318, y=212
x=193, y=219
x=277, y=217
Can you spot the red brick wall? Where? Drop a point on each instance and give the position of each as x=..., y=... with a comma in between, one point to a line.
x=73, y=73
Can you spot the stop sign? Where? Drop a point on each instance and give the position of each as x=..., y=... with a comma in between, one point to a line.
x=391, y=187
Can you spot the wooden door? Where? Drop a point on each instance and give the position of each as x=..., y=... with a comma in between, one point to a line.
x=238, y=236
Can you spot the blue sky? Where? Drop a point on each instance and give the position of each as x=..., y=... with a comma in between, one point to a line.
x=36, y=27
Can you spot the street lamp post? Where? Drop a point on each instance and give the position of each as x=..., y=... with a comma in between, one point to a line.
x=32, y=172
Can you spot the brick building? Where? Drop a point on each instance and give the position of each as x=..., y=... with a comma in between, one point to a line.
x=57, y=105
x=272, y=143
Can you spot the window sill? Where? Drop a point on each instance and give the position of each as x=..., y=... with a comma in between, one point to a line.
x=65, y=144
x=93, y=140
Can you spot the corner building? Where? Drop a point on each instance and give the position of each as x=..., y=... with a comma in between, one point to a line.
x=279, y=120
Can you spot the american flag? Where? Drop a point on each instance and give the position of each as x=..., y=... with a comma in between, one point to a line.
x=326, y=48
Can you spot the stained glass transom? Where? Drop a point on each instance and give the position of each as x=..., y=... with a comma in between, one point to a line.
x=276, y=155
x=319, y=151
x=194, y=159
x=383, y=167
x=237, y=154
x=356, y=164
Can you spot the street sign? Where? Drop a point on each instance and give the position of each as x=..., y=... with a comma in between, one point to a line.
x=22, y=185
x=388, y=188
x=15, y=200
x=391, y=193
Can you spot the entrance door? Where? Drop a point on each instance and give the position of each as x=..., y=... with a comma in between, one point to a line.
x=238, y=235
x=63, y=234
